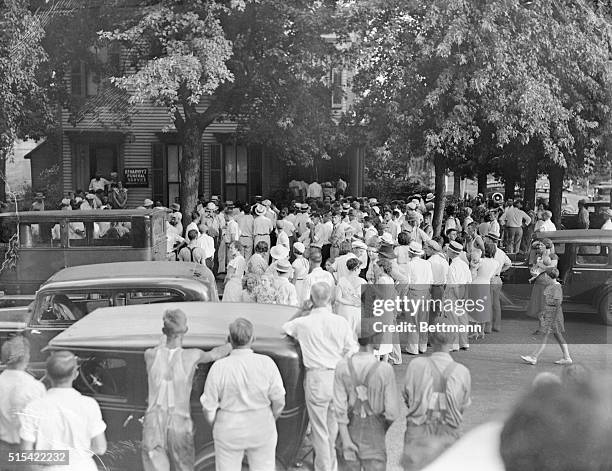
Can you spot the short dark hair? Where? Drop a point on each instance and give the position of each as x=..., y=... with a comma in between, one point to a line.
x=403, y=238
x=261, y=247
x=352, y=263
x=192, y=234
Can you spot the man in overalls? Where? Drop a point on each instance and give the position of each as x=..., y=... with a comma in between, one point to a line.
x=366, y=403
x=167, y=436
x=436, y=392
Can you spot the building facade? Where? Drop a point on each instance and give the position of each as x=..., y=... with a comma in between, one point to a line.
x=107, y=134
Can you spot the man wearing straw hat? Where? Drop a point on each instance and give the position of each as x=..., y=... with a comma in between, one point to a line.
x=17, y=389
x=420, y=277
x=262, y=227
x=459, y=276
x=439, y=270
x=167, y=436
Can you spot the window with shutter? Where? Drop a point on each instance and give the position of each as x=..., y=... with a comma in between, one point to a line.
x=216, y=170
x=158, y=171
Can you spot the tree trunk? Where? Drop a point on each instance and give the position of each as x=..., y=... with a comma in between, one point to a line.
x=555, y=176
x=457, y=185
x=509, y=184
x=530, y=182
x=191, y=137
x=440, y=189
x=482, y=183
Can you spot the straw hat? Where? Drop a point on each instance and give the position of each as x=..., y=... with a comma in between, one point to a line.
x=278, y=252
x=175, y=207
x=432, y=244
x=429, y=197
x=455, y=246
x=283, y=266
x=147, y=202
x=415, y=248
x=260, y=210
x=299, y=247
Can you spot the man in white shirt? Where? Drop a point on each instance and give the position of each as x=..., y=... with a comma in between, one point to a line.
x=420, y=278
x=315, y=191
x=459, y=276
x=173, y=237
x=496, y=282
x=243, y=396
x=262, y=227
x=17, y=389
x=64, y=419
x=317, y=274
x=439, y=270
x=230, y=233
x=325, y=338
x=245, y=222
x=98, y=183
x=281, y=236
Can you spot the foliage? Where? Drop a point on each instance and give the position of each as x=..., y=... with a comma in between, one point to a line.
x=468, y=81
x=22, y=99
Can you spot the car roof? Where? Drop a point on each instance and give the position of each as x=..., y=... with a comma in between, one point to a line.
x=138, y=327
x=577, y=235
x=86, y=215
x=138, y=270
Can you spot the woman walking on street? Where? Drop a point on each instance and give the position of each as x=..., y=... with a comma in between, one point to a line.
x=348, y=296
x=235, y=271
x=551, y=320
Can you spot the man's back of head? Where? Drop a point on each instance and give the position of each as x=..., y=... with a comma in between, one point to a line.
x=320, y=294
x=240, y=332
x=192, y=235
x=61, y=366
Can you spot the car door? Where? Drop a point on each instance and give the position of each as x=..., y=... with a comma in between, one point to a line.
x=115, y=381
x=589, y=271
x=54, y=312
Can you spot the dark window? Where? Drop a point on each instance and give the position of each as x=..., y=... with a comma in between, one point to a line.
x=103, y=377
x=593, y=255
x=216, y=170
x=62, y=308
x=150, y=296
x=77, y=78
x=236, y=172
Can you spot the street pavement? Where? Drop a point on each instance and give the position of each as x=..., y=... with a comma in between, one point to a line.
x=499, y=378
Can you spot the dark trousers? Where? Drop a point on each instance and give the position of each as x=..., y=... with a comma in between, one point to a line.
x=325, y=254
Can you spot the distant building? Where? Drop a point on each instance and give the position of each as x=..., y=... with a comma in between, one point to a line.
x=108, y=135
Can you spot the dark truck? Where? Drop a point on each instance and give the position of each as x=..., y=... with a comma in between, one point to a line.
x=585, y=268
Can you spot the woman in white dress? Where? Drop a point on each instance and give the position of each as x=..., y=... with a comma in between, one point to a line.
x=348, y=295
x=232, y=292
x=301, y=267
x=480, y=289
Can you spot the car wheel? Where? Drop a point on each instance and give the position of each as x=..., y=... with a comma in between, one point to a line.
x=605, y=308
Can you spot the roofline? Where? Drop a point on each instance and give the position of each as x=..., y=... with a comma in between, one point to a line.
x=179, y=279
x=81, y=214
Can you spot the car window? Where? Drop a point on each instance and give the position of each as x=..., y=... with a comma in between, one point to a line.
x=40, y=235
x=110, y=233
x=61, y=308
x=151, y=296
x=106, y=376
x=592, y=254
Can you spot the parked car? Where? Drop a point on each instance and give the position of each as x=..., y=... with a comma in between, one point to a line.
x=595, y=209
x=40, y=243
x=585, y=268
x=111, y=343
x=75, y=292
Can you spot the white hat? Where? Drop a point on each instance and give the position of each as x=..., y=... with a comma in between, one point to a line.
x=412, y=205
x=147, y=202
x=90, y=196
x=373, y=201
x=493, y=235
x=78, y=199
x=267, y=203
x=214, y=198
x=299, y=247
x=386, y=238
x=211, y=206
x=66, y=202
x=455, y=246
x=433, y=245
x=358, y=244
x=278, y=252
x=175, y=207
x=376, y=209
x=430, y=197
x=415, y=248
x=260, y=210
x=283, y=266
